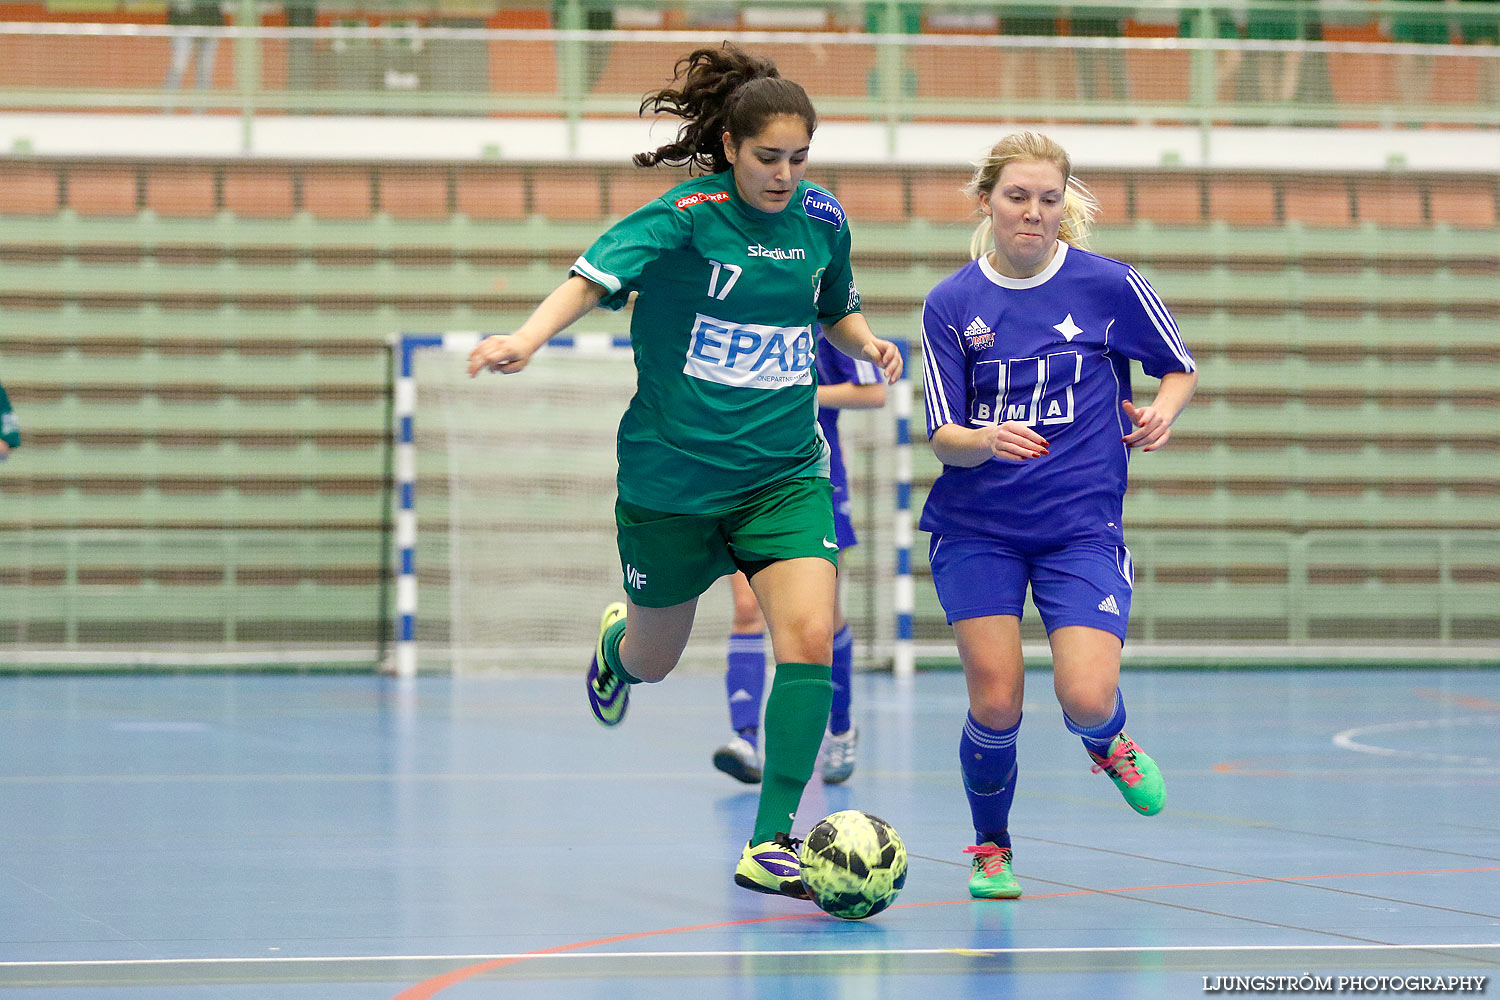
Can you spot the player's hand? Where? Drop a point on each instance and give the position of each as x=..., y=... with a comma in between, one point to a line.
x=886, y=356
x=1015, y=442
x=4, y=451
x=1152, y=429
x=500, y=353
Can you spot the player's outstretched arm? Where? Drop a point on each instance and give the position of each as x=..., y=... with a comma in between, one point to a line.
x=853, y=336
x=509, y=353
x=851, y=396
x=1153, y=424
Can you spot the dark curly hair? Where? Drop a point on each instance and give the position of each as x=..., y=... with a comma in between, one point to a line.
x=716, y=91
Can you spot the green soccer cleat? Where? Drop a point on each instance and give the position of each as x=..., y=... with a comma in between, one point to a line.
x=772, y=867
x=992, y=878
x=609, y=694
x=1134, y=774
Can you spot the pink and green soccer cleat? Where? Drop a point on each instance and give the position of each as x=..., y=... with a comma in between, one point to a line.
x=992, y=878
x=1134, y=774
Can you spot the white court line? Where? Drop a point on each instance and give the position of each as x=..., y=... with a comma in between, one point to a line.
x=756, y=953
x=1347, y=739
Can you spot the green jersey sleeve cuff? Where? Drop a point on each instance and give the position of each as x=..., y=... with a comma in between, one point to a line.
x=584, y=269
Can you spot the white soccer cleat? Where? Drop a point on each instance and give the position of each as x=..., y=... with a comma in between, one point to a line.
x=739, y=760
x=836, y=755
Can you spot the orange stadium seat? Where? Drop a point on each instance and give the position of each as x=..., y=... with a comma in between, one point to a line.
x=181, y=191
x=1463, y=203
x=567, y=193
x=338, y=192
x=1242, y=200
x=1169, y=199
x=1318, y=202
x=523, y=68
x=103, y=190
x=957, y=71
x=414, y=194
x=938, y=196
x=824, y=71
x=635, y=70
x=26, y=190
x=490, y=193
x=872, y=196
x=261, y=192
x=1359, y=78
x=1111, y=192
x=1390, y=202
x=631, y=187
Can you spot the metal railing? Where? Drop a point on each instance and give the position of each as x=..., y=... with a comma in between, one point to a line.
x=890, y=79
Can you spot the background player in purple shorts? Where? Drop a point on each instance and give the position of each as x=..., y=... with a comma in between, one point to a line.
x=1027, y=382
x=843, y=384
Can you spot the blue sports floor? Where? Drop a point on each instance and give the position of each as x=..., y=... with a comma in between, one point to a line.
x=335, y=837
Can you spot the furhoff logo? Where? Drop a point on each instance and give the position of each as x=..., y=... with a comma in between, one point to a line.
x=688, y=201
x=819, y=205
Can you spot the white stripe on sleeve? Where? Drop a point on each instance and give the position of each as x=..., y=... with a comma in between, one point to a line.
x=1160, y=318
x=598, y=277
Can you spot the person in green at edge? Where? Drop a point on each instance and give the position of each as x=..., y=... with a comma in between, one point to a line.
x=10, y=430
x=721, y=463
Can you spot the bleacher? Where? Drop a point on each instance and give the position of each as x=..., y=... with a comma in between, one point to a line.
x=198, y=349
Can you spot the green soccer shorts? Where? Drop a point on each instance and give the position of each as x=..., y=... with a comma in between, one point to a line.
x=671, y=558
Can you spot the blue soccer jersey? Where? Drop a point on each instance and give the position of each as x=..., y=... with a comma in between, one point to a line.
x=1052, y=352
x=834, y=367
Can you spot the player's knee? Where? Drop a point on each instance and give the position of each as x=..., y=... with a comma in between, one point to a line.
x=1086, y=704
x=995, y=710
x=806, y=639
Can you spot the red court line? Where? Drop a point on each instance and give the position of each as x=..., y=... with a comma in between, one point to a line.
x=432, y=987
x=1463, y=700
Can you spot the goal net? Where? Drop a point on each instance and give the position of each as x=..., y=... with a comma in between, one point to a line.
x=505, y=529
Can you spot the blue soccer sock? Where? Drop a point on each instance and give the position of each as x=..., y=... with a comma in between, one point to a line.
x=843, y=676
x=987, y=759
x=1096, y=739
x=745, y=683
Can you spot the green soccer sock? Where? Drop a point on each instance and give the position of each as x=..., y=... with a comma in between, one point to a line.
x=612, y=637
x=796, y=713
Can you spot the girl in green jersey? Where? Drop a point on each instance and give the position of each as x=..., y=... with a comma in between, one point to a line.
x=10, y=430
x=721, y=463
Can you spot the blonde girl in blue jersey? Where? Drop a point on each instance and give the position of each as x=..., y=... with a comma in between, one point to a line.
x=1027, y=356
x=721, y=465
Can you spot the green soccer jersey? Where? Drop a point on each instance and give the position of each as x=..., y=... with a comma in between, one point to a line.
x=723, y=335
x=10, y=430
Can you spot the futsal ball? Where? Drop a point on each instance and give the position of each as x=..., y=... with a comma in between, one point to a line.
x=853, y=864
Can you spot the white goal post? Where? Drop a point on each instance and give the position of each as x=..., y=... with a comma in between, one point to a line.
x=504, y=523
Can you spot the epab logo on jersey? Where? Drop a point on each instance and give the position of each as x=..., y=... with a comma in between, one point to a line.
x=821, y=205
x=749, y=355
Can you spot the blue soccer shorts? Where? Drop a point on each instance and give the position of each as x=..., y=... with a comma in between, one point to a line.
x=1082, y=582
x=843, y=516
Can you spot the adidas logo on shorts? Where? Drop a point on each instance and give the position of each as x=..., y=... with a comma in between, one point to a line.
x=1108, y=604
